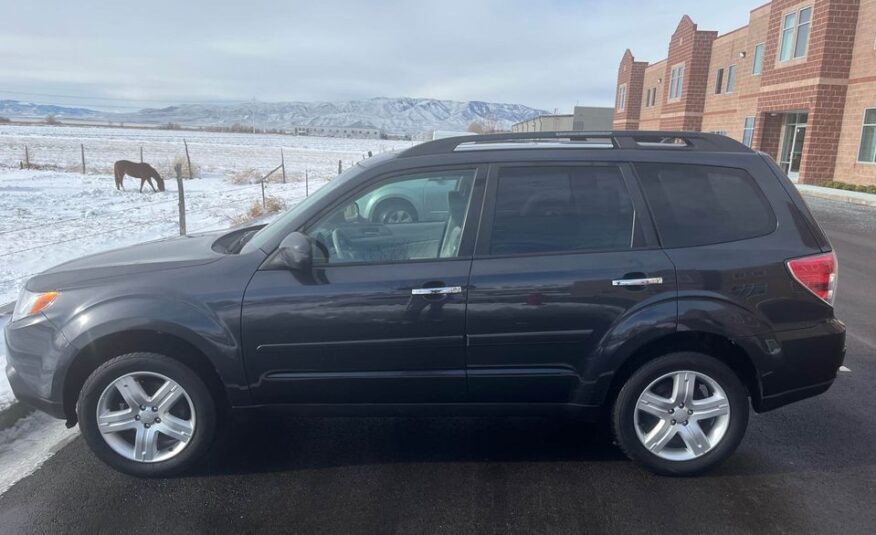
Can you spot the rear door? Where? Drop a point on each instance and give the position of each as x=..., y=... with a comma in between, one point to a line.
x=563, y=255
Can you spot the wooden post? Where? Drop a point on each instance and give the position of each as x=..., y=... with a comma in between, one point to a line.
x=283, y=164
x=141, y=153
x=82, y=149
x=180, y=188
x=340, y=167
x=264, y=203
x=188, y=160
x=26, y=157
x=306, y=185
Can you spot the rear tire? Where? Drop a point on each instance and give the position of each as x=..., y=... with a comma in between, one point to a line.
x=120, y=412
x=678, y=430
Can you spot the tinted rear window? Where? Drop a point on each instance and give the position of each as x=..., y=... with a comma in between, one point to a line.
x=552, y=209
x=701, y=204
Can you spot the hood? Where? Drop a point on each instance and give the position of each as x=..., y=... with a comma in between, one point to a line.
x=171, y=253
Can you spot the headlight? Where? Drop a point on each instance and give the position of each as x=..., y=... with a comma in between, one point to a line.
x=30, y=303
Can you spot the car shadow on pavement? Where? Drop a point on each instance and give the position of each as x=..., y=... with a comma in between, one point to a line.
x=277, y=442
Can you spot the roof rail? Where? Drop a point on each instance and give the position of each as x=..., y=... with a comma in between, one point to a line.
x=628, y=139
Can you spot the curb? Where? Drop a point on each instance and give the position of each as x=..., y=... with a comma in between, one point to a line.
x=851, y=197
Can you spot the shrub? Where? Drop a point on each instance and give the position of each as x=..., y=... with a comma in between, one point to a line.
x=863, y=188
x=246, y=176
x=168, y=170
x=256, y=210
x=51, y=119
x=4, y=120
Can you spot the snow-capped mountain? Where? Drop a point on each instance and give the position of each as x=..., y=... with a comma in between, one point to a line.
x=392, y=115
x=16, y=108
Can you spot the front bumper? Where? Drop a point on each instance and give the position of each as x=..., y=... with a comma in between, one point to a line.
x=36, y=355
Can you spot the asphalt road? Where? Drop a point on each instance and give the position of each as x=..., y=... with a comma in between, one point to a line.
x=808, y=468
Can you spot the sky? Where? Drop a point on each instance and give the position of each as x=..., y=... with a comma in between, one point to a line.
x=548, y=54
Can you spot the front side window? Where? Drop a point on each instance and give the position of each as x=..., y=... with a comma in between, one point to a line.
x=561, y=209
x=415, y=217
x=731, y=78
x=676, y=80
x=757, y=64
x=867, y=151
x=795, y=34
x=701, y=204
x=621, y=97
x=748, y=131
x=719, y=82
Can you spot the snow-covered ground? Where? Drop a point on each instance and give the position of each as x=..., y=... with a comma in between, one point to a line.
x=53, y=215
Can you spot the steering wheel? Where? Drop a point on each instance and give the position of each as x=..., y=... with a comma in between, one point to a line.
x=343, y=246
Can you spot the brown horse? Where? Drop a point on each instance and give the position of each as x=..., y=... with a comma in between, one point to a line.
x=143, y=171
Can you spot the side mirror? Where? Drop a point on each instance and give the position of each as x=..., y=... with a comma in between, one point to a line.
x=296, y=252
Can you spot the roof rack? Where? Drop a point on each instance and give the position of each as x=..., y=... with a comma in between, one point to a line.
x=694, y=141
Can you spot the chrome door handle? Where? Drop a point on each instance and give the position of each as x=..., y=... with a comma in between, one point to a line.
x=637, y=282
x=437, y=291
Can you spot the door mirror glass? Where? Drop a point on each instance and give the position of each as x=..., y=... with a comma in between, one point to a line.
x=296, y=252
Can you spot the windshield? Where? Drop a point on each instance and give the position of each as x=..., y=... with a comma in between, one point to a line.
x=272, y=231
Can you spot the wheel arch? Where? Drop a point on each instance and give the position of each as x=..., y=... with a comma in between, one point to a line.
x=710, y=343
x=111, y=345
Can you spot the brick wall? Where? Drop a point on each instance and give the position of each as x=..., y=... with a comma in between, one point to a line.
x=630, y=73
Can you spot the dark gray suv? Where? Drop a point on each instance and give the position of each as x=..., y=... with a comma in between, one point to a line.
x=666, y=280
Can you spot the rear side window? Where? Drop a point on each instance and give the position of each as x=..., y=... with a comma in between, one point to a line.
x=554, y=209
x=700, y=204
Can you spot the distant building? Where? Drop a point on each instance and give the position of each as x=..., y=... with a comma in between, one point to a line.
x=584, y=118
x=338, y=131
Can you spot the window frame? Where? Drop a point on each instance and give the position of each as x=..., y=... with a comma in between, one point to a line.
x=470, y=229
x=748, y=131
x=719, y=81
x=621, y=104
x=864, y=126
x=644, y=235
x=792, y=34
x=731, y=79
x=757, y=59
x=673, y=95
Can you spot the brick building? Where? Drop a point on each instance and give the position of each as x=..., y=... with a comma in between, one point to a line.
x=798, y=82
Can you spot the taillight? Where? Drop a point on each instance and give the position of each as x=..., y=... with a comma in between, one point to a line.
x=817, y=274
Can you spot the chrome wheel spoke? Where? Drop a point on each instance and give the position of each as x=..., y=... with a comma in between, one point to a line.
x=166, y=396
x=175, y=428
x=145, y=443
x=113, y=422
x=683, y=387
x=660, y=436
x=711, y=407
x=131, y=392
x=655, y=405
x=694, y=438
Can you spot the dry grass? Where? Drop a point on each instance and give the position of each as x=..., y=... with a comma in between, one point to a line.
x=256, y=210
x=167, y=171
x=245, y=176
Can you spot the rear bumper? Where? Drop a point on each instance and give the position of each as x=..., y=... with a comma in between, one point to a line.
x=799, y=364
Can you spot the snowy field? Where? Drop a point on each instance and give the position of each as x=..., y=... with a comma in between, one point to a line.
x=56, y=213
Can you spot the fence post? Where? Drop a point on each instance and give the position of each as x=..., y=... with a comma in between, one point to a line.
x=283, y=164
x=141, y=153
x=180, y=188
x=340, y=167
x=306, y=184
x=264, y=203
x=26, y=157
x=188, y=160
x=82, y=148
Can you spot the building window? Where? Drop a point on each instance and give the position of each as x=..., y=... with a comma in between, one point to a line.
x=676, y=80
x=719, y=82
x=731, y=78
x=757, y=65
x=622, y=97
x=650, y=97
x=748, y=131
x=653, y=96
x=867, y=152
x=795, y=34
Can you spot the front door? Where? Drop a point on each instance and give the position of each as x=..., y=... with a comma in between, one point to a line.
x=561, y=257
x=794, y=136
x=382, y=317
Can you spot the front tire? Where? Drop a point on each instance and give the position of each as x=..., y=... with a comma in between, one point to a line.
x=146, y=415
x=394, y=212
x=681, y=414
